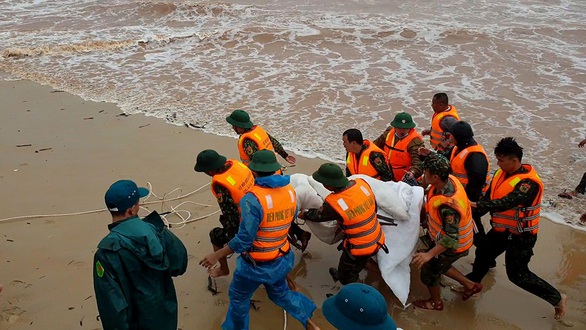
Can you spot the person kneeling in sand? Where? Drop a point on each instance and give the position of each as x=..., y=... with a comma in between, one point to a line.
x=353, y=205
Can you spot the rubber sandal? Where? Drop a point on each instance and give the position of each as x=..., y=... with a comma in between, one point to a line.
x=469, y=293
x=429, y=304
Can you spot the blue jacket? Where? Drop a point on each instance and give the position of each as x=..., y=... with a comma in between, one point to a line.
x=252, y=215
x=133, y=267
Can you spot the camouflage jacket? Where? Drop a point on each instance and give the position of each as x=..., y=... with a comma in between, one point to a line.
x=250, y=147
x=450, y=220
x=523, y=194
x=412, y=149
x=379, y=162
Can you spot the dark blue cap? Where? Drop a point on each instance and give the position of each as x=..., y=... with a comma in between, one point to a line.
x=123, y=195
x=358, y=306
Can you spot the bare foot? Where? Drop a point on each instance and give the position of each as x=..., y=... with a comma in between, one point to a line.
x=560, y=309
x=219, y=272
x=311, y=325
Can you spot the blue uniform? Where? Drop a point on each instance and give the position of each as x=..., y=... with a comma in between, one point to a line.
x=248, y=277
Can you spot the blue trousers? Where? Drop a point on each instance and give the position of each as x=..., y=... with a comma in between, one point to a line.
x=241, y=290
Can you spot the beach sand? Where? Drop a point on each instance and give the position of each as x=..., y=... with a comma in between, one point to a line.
x=47, y=262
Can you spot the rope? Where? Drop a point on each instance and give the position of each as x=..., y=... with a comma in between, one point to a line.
x=184, y=215
x=284, y=319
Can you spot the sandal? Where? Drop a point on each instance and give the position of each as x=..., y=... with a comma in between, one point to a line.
x=429, y=304
x=565, y=194
x=469, y=293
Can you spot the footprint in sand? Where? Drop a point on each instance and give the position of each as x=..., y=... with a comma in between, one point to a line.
x=19, y=283
x=12, y=313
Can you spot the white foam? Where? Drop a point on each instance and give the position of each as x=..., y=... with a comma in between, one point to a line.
x=309, y=73
x=559, y=219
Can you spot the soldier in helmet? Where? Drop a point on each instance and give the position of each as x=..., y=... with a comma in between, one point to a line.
x=231, y=179
x=449, y=226
x=470, y=165
x=401, y=143
x=254, y=138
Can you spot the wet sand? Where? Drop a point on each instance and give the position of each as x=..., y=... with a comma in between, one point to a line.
x=47, y=262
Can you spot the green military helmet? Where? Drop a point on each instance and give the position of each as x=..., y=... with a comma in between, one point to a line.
x=403, y=120
x=209, y=160
x=330, y=175
x=264, y=161
x=240, y=118
x=437, y=164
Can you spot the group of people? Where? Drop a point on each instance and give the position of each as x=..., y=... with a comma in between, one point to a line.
x=134, y=264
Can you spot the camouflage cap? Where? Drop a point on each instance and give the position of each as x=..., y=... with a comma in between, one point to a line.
x=437, y=164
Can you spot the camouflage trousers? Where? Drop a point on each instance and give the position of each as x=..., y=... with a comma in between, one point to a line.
x=220, y=236
x=518, y=251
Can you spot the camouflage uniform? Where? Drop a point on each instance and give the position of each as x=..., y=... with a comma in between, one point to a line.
x=518, y=249
x=412, y=149
x=379, y=162
x=349, y=267
x=230, y=218
x=431, y=271
x=250, y=147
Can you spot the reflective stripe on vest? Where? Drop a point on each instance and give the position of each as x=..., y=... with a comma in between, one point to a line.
x=459, y=202
x=437, y=134
x=278, y=206
x=260, y=138
x=238, y=179
x=398, y=157
x=518, y=219
x=457, y=161
x=357, y=207
x=363, y=166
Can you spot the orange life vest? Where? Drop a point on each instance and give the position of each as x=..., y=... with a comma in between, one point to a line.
x=259, y=136
x=457, y=161
x=437, y=134
x=238, y=179
x=357, y=206
x=398, y=157
x=518, y=219
x=459, y=202
x=278, y=206
x=363, y=166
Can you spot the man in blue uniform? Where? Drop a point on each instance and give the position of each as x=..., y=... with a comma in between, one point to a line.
x=265, y=254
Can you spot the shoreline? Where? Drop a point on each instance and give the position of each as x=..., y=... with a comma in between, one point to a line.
x=47, y=266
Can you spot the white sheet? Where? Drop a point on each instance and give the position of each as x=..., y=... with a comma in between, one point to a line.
x=396, y=200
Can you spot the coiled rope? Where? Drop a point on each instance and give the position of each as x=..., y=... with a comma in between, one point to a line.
x=184, y=215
